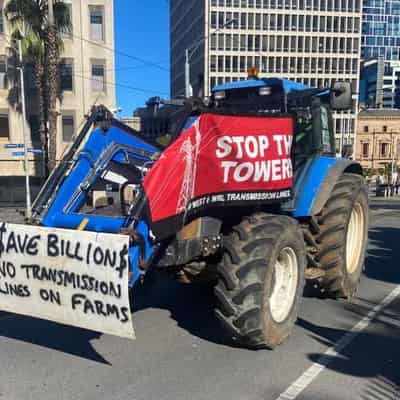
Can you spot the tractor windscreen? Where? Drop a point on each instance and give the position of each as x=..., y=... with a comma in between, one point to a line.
x=220, y=160
x=255, y=99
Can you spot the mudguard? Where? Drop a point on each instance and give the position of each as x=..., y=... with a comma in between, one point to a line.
x=314, y=185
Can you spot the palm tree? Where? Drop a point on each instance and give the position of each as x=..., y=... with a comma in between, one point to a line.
x=58, y=23
x=42, y=45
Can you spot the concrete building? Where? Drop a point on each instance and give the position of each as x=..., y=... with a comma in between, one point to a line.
x=380, y=84
x=86, y=76
x=314, y=42
x=378, y=139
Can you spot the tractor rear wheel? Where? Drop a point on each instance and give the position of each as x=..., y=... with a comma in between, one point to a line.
x=343, y=236
x=261, y=279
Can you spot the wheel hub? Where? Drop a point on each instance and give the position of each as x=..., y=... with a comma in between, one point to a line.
x=354, y=238
x=284, y=289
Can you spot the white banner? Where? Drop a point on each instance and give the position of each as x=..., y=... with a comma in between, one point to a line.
x=75, y=278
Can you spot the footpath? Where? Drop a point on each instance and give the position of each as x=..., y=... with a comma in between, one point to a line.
x=12, y=214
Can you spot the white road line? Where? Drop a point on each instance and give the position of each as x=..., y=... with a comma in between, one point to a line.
x=298, y=386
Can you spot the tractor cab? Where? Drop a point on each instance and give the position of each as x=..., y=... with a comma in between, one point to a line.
x=311, y=108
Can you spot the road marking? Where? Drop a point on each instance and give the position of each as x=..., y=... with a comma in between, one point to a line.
x=298, y=386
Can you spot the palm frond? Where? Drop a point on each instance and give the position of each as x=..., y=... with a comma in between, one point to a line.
x=25, y=14
x=33, y=48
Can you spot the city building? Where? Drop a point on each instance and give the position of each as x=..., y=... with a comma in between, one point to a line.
x=381, y=30
x=380, y=84
x=380, y=52
x=314, y=42
x=378, y=139
x=86, y=76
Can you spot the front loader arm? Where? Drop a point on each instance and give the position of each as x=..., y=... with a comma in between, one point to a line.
x=96, y=155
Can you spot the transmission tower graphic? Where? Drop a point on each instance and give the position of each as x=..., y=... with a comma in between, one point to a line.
x=190, y=156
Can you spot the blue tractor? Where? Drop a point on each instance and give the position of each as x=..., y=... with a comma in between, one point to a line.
x=258, y=247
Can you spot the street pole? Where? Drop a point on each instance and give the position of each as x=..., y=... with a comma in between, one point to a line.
x=187, y=74
x=189, y=53
x=50, y=12
x=393, y=150
x=341, y=133
x=26, y=156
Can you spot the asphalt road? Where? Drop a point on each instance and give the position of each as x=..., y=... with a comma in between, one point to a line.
x=182, y=353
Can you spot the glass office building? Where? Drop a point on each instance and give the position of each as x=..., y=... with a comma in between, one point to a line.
x=380, y=51
x=381, y=29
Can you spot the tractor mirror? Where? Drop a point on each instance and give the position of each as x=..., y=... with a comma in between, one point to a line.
x=341, y=96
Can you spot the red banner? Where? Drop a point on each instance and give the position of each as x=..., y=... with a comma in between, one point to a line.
x=221, y=160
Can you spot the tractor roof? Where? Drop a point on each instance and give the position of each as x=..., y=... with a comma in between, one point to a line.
x=286, y=84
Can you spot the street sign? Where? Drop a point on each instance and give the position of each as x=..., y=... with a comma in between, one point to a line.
x=35, y=151
x=18, y=153
x=14, y=146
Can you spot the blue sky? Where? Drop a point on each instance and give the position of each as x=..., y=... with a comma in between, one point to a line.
x=141, y=30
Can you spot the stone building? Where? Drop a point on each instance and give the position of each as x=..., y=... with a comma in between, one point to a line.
x=378, y=139
x=86, y=76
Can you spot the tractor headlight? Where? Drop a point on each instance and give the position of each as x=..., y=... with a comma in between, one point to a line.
x=220, y=95
x=265, y=91
x=207, y=101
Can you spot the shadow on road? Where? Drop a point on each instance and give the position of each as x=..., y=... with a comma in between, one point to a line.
x=384, y=251
x=191, y=306
x=69, y=340
x=372, y=355
x=382, y=205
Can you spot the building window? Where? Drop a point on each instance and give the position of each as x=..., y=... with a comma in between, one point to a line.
x=66, y=72
x=4, y=125
x=98, y=81
x=213, y=64
x=1, y=22
x=365, y=150
x=96, y=23
x=69, y=31
x=384, y=128
x=67, y=128
x=365, y=128
x=3, y=73
x=384, y=150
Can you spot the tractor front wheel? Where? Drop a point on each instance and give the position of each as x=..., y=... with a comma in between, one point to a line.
x=261, y=279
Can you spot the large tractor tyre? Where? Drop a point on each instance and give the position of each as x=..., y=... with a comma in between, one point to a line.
x=342, y=237
x=261, y=280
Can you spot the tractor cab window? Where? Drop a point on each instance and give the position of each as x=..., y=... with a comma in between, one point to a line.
x=326, y=131
x=303, y=137
x=114, y=191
